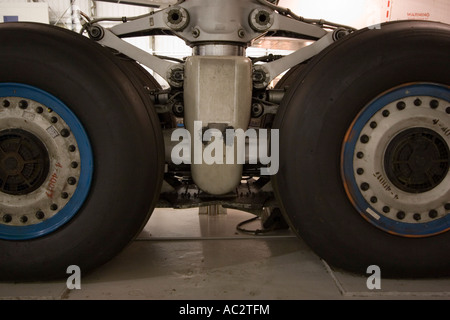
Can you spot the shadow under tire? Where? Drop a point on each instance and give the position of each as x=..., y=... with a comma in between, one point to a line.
x=346, y=104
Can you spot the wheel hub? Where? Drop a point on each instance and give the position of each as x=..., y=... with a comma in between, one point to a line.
x=24, y=162
x=45, y=162
x=417, y=160
x=396, y=160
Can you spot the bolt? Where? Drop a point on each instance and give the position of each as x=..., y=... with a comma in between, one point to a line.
x=65, y=133
x=23, y=219
x=196, y=33
x=386, y=209
x=373, y=124
x=175, y=16
x=40, y=215
x=64, y=195
x=7, y=218
x=23, y=104
x=54, y=207
x=401, y=105
x=364, y=138
x=447, y=110
x=386, y=113
x=72, y=148
x=365, y=186
x=178, y=109
x=360, y=155
x=417, y=216
x=432, y=214
x=74, y=164
x=71, y=181
x=263, y=17
x=257, y=110
x=360, y=171
x=417, y=102
x=434, y=104
x=39, y=110
x=401, y=215
x=53, y=119
x=447, y=206
x=373, y=199
x=5, y=103
x=241, y=33
x=259, y=76
x=96, y=33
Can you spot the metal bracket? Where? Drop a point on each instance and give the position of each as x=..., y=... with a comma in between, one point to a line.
x=158, y=65
x=275, y=68
x=181, y=20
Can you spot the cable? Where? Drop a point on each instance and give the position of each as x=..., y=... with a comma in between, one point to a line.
x=122, y=19
x=288, y=12
x=254, y=232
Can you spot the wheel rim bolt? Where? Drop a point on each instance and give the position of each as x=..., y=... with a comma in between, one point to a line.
x=365, y=186
x=364, y=138
x=432, y=214
x=65, y=133
x=401, y=105
x=434, y=104
x=40, y=215
x=401, y=215
x=23, y=104
x=417, y=216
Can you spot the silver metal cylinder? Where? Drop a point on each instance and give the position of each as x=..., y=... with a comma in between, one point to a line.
x=218, y=49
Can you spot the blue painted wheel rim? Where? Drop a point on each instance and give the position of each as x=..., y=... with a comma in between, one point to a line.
x=358, y=168
x=77, y=199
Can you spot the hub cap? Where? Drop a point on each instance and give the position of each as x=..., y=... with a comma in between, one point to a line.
x=396, y=159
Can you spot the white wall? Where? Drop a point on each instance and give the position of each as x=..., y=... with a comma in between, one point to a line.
x=364, y=13
x=34, y=12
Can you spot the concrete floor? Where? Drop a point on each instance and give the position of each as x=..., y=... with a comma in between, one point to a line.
x=184, y=255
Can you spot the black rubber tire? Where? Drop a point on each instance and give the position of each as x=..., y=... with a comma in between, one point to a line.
x=125, y=137
x=313, y=119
